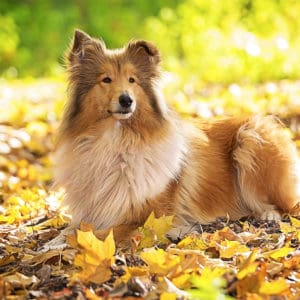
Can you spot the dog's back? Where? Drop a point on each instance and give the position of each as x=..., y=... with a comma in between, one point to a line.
x=242, y=166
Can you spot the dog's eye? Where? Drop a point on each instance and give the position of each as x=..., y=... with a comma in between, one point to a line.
x=131, y=80
x=107, y=80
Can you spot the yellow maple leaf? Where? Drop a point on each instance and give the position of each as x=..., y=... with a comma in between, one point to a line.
x=286, y=227
x=154, y=230
x=57, y=221
x=228, y=249
x=192, y=242
x=95, y=249
x=134, y=272
x=95, y=257
x=159, y=261
x=273, y=288
x=252, y=282
x=279, y=253
x=182, y=281
x=295, y=222
x=249, y=266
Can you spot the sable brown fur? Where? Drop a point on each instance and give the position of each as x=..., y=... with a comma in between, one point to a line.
x=118, y=164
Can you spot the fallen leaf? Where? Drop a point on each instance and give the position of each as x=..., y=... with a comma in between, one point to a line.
x=134, y=272
x=273, y=288
x=167, y=296
x=228, y=249
x=42, y=257
x=249, y=266
x=95, y=257
x=159, y=261
x=252, y=282
x=295, y=222
x=192, y=242
x=19, y=280
x=154, y=230
x=279, y=253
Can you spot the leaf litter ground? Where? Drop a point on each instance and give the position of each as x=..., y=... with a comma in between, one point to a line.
x=245, y=259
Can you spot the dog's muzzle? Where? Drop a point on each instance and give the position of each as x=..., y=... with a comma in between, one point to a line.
x=125, y=101
x=124, y=108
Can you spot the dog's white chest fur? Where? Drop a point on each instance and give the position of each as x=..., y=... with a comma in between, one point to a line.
x=112, y=173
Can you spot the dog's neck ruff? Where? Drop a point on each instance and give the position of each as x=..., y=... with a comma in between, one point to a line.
x=105, y=176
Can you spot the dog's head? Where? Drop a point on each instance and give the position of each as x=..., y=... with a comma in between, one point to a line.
x=118, y=84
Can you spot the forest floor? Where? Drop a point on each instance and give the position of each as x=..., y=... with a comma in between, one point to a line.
x=245, y=259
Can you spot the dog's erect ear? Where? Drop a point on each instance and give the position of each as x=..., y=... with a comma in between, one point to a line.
x=144, y=49
x=79, y=38
x=77, y=46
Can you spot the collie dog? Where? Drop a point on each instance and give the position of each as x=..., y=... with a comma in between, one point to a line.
x=122, y=153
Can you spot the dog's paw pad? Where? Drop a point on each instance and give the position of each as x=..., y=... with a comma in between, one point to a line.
x=271, y=215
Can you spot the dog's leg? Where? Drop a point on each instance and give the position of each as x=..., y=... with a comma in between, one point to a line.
x=265, y=160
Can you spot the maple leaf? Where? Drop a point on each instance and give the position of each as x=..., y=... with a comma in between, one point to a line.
x=273, y=288
x=57, y=221
x=134, y=272
x=252, y=282
x=249, y=266
x=295, y=222
x=286, y=227
x=159, y=261
x=192, y=242
x=279, y=253
x=95, y=257
x=228, y=249
x=154, y=231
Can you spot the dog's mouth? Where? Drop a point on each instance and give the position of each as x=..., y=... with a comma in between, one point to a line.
x=121, y=114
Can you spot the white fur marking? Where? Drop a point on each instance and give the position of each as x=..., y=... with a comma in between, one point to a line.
x=271, y=215
x=112, y=172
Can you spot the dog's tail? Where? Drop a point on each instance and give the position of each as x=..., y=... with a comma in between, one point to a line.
x=267, y=165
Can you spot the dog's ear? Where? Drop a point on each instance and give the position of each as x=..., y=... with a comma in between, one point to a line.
x=80, y=39
x=145, y=50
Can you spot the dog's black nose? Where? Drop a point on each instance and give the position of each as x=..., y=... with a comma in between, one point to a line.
x=125, y=101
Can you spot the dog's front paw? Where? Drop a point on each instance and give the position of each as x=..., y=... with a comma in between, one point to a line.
x=177, y=233
x=271, y=215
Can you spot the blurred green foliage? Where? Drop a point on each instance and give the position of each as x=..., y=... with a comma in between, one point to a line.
x=201, y=40
x=230, y=40
x=34, y=34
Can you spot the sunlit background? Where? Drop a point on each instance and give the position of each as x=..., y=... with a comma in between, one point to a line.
x=214, y=41
x=202, y=42
x=215, y=50
x=226, y=57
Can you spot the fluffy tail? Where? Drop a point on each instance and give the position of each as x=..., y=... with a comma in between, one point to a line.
x=266, y=159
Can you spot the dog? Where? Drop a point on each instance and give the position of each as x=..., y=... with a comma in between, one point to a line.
x=123, y=153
